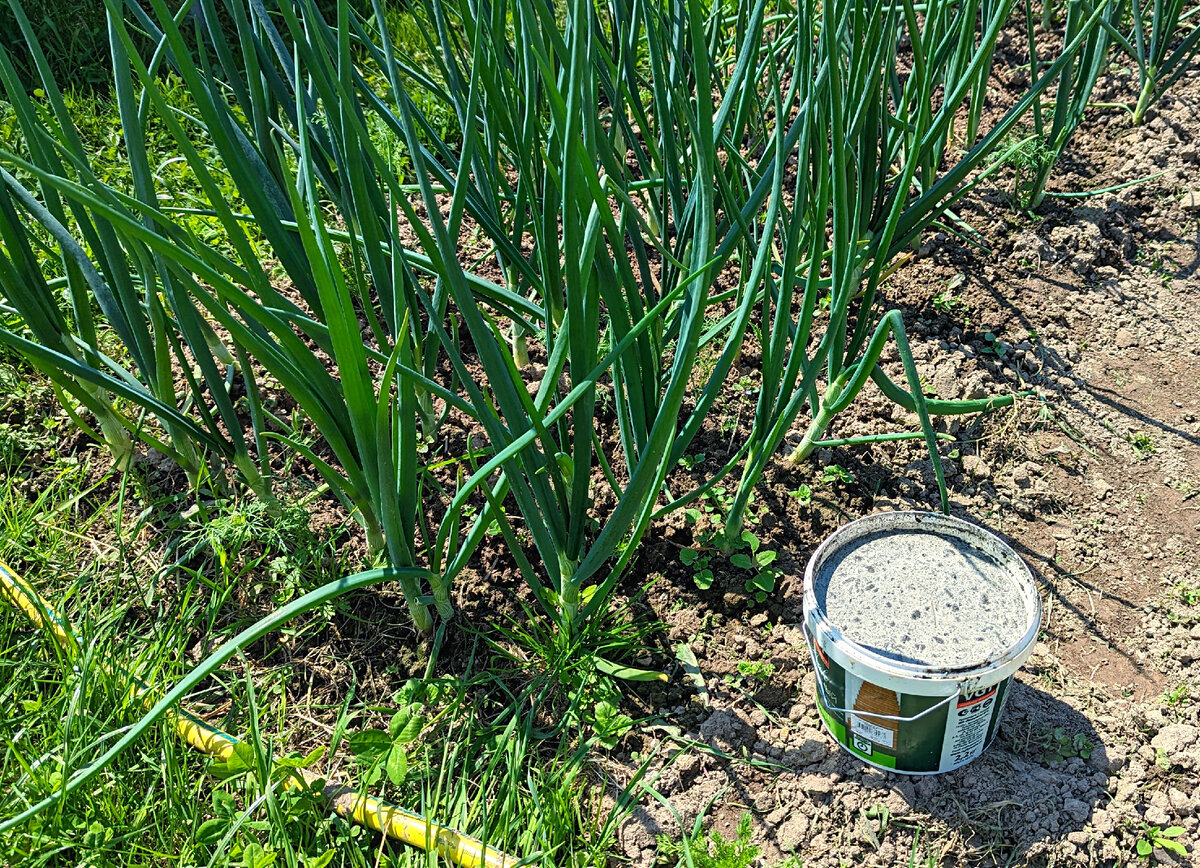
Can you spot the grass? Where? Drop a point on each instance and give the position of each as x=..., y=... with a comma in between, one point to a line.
x=74, y=33
x=1142, y=443
x=480, y=760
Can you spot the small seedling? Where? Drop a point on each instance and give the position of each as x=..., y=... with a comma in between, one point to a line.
x=1189, y=595
x=758, y=670
x=1143, y=444
x=946, y=301
x=713, y=851
x=836, y=473
x=381, y=751
x=717, y=503
x=1186, y=487
x=881, y=814
x=758, y=561
x=1156, y=838
x=1178, y=696
x=993, y=345
x=802, y=493
x=610, y=724
x=702, y=573
x=1057, y=746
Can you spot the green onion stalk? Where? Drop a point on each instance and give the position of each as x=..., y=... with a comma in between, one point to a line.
x=1073, y=83
x=862, y=196
x=48, y=223
x=1153, y=42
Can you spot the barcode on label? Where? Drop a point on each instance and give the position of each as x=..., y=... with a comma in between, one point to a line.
x=879, y=734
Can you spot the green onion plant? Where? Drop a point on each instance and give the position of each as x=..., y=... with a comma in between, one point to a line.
x=1073, y=83
x=171, y=364
x=1154, y=43
x=643, y=180
x=871, y=150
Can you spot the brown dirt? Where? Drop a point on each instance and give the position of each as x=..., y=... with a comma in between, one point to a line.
x=1093, y=306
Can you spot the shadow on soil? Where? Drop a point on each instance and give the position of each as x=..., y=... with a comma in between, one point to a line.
x=1039, y=782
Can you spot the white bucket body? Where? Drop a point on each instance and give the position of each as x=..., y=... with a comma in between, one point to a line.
x=904, y=716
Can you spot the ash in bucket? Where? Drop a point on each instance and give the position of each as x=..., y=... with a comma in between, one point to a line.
x=923, y=598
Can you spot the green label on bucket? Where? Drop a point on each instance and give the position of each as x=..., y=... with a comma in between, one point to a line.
x=890, y=730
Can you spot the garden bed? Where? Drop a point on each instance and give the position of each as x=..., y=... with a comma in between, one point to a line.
x=1087, y=310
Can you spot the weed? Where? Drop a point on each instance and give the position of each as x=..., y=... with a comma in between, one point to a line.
x=1178, y=696
x=1027, y=160
x=715, y=850
x=702, y=573
x=758, y=670
x=717, y=502
x=993, y=345
x=1143, y=444
x=1057, y=746
x=387, y=750
x=881, y=814
x=1187, y=594
x=802, y=493
x=1156, y=838
x=758, y=561
x=1186, y=487
x=836, y=473
x=946, y=301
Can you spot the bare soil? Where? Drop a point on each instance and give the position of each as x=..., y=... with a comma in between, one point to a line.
x=1089, y=310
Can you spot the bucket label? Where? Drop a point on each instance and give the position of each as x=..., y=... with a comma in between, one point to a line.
x=876, y=733
x=967, y=726
x=934, y=734
x=876, y=707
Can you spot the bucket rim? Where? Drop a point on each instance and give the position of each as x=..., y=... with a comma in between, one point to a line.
x=992, y=669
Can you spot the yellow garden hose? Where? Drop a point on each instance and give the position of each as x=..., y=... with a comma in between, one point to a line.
x=365, y=810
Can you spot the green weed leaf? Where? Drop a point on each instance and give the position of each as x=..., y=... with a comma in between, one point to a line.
x=406, y=726
x=397, y=765
x=370, y=745
x=211, y=831
x=240, y=761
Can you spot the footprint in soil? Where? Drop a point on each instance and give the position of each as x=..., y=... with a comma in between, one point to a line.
x=1043, y=780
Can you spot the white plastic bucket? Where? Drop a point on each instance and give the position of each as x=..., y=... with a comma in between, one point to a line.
x=904, y=716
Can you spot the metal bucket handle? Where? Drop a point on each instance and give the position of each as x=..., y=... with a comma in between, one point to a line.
x=870, y=715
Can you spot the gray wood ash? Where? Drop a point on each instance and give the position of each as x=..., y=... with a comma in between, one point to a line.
x=922, y=598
